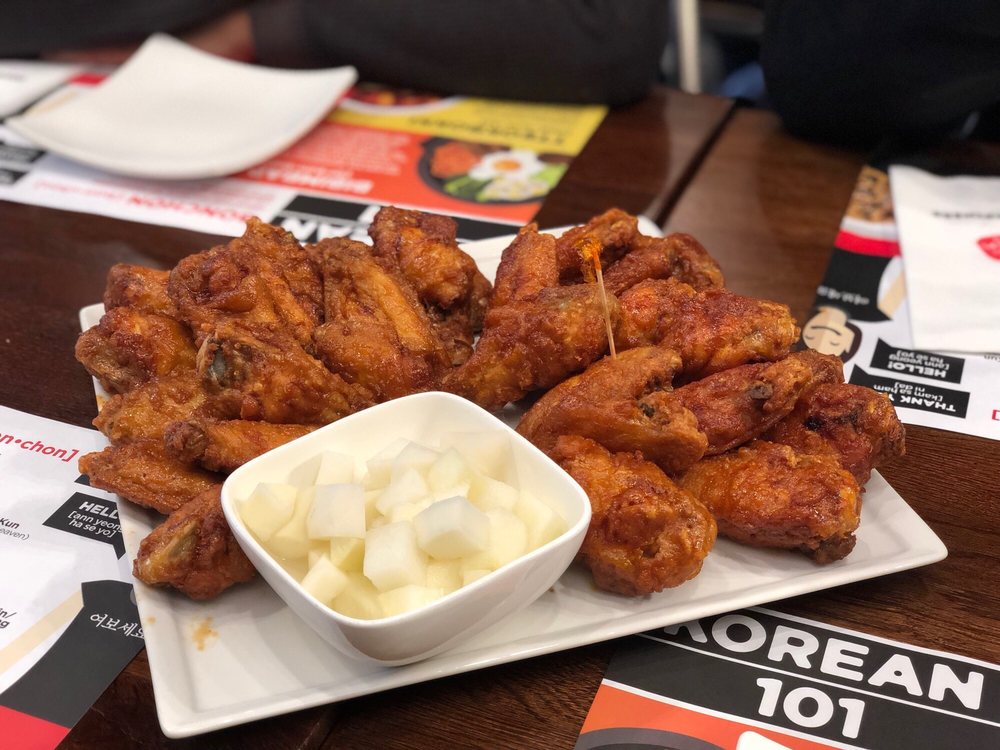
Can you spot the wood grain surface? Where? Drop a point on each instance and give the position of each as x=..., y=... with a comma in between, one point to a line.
x=765, y=204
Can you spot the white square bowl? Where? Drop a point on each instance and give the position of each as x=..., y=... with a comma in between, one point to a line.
x=401, y=639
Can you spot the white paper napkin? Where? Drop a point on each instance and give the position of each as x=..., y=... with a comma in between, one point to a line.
x=24, y=81
x=949, y=234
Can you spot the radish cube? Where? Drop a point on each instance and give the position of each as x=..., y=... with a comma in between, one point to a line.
x=448, y=470
x=324, y=580
x=380, y=465
x=291, y=541
x=392, y=558
x=452, y=528
x=488, y=453
x=407, y=598
x=347, y=553
x=543, y=523
x=508, y=541
x=323, y=468
x=487, y=493
x=268, y=508
x=416, y=457
x=337, y=510
x=359, y=599
x=455, y=490
x=444, y=574
x=408, y=487
x=406, y=511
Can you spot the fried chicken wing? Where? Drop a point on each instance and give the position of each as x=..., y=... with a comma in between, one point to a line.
x=858, y=426
x=767, y=495
x=533, y=343
x=144, y=474
x=604, y=404
x=128, y=347
x=377, y=333
x=194, y=551
x=227, y=444
x=614, y=231
x=423, y=249
x=263, y=278
x=646, y=533
x=712, y=330
x=143, y=413
x=143, y=289
x=676, y=256
x=263, y=375
x=736, y=405
x=526, y=267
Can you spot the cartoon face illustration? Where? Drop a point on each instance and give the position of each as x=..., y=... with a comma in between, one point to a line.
x=829, y=332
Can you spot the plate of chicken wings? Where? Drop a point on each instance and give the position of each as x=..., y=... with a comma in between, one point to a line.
x=724, y=469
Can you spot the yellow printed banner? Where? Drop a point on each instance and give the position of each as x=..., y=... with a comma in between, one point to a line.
x=542, y=128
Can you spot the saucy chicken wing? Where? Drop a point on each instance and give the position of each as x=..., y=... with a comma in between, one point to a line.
x=424, y=250
x=768, y=495
x=646, y=533
x=194, y=551
x=128, y=347
x=260, y=374
x=736, y=405
x=605, y=403
x=676, y=256
x=142, y=289
x=144, y=474
x=377, y=334
x=264, y=279
x=858, y=426
x=614, y=231
x=532, y=344
x=143, y=413
x=712, y=330
x=227, y=444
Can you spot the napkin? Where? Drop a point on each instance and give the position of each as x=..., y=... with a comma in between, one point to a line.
x=949, y=235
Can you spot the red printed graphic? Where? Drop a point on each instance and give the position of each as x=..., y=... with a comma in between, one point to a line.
x=23, y=731
x=990, y=245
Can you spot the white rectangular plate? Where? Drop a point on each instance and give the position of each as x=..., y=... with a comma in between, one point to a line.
x=246, y=656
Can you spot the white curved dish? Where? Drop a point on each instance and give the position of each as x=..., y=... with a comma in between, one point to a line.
x=174, y=112
x=263, y=660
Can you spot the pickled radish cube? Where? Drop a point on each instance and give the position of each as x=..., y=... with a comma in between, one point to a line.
x=487, y=493
x=408, y=487
x=359, y=599
x=489, y=453
x=455, y=490
x=392, y=557
x=448, y=470
x=371, y=511
x=380, y=465
x=452, y=528
x=269, y=507
x=327, y=467
x=415, y=457
x=291, y=540
x=406, y=511
x=444, y=574
x=337, y=510
x=468, y=576
x=347, y=553
x=316, y=551
x=407, y=598
x=324, y=580
x=508, y=541
x=543, y=523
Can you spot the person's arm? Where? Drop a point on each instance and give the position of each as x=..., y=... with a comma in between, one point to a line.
x=550, y=50
x=855, y=71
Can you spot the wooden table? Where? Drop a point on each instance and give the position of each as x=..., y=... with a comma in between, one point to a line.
x=766, y=204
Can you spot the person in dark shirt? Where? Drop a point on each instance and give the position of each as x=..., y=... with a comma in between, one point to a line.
x=857, y=72
x=602, y=51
